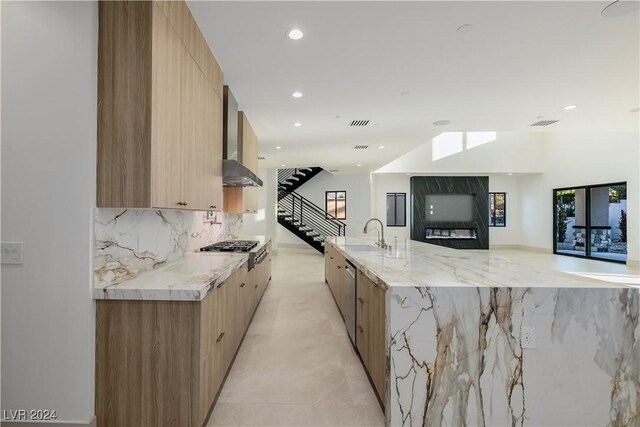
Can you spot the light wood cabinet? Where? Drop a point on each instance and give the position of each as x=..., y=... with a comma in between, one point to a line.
x=159, y=98
x=362, y=317
x=244, y=199
x=244, y=302
x=334, y=275
x=162, y=363
x=370, y=316
x=370, y=329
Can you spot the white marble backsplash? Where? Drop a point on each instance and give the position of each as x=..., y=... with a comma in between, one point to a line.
x=131, y=241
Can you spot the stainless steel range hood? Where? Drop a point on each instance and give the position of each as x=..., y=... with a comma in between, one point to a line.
x=234, y=173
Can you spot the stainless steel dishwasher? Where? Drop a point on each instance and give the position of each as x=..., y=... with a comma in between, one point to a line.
x=350, y=300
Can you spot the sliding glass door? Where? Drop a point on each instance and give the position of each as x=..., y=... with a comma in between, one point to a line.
x=590, y=221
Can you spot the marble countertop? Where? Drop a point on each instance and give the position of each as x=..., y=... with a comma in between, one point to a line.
x=189, y=279
x=412, y=263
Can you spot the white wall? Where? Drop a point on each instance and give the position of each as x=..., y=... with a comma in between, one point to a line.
x=580, y=159
x=400, y=183
x=381, y=184
x=264, y=222
x=509, y=235
x=524, y=154
x=358, y=191
x=49, y=81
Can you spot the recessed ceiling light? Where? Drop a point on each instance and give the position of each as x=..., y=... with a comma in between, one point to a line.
x=337, y=117
x=464, y=28
x=441, y=122
x=569, y=107
x=509, y=174
x=296, y=124
x=619, y=8
x=283, y=165
x=380, y=147
x=295, y=34
x=636, y=110
x=408, y=174
x=359, y=164
x=278, y=148
x=297, y=94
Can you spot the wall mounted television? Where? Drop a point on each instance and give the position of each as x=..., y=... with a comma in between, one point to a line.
x=449, y=207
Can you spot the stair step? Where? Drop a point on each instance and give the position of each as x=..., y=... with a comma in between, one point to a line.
x=319, y=239
x=305, y=169
x=292, y=177
x=313, y=234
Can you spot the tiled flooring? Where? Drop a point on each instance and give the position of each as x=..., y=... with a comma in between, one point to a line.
x=296, y=366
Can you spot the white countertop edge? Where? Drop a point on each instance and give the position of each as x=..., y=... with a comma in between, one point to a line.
x=579, y=282
x=176, y=293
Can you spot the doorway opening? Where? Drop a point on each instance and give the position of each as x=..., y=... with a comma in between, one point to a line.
x=590, y=221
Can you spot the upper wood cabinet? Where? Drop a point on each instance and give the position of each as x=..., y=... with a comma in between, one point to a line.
x=244, y=199
x=159, y=109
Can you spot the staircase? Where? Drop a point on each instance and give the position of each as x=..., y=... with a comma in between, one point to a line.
x=292, y=179
x=299, y=215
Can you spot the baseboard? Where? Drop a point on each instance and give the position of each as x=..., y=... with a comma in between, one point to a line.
x=523, y=248
x=633, y=264
x=56, y=423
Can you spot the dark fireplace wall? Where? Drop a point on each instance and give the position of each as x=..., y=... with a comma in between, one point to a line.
x=478, y=186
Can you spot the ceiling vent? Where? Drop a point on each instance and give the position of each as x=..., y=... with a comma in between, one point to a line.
x=544, y=123
x=359, y=122
x=261, y=158
x=360, y=147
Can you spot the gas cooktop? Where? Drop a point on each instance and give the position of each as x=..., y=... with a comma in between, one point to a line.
x=231, y=246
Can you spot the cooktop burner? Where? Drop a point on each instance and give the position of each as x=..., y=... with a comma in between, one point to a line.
x=231, y=246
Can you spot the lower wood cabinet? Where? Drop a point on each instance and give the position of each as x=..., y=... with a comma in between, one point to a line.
x=370, y=316
x=334, y=275
x=370, y=329
x=162, y=363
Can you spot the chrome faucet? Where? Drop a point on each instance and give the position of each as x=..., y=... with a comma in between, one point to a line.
x=381, y=241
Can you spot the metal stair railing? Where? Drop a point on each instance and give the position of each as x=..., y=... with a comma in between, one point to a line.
x=284, y=174
x=304, y=212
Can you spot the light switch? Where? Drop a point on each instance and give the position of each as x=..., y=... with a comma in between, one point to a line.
x=11, y=253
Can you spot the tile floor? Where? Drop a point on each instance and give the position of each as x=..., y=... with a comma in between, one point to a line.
x=296, y=366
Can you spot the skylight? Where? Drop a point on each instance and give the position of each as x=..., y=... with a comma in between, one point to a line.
x=475, y=139
x=446, y=144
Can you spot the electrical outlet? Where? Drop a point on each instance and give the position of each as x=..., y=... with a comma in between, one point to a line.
x=528, y=337
x=11, y=253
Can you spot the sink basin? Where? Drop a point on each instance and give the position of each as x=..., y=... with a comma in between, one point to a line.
x=363, y=248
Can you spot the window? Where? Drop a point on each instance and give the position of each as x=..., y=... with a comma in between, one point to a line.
x=591, y=221
x=336, y=204
x=396, y=210
x=497, y=209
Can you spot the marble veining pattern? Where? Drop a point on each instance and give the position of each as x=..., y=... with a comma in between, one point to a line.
x=478, y=186
x=189, y=278
x=411, y=263
x=455, y=355
x=129, y=242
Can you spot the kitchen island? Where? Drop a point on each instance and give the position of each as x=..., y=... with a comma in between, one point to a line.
x=166, y=339
x=454, y=352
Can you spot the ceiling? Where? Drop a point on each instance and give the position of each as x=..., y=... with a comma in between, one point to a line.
x=520, y=60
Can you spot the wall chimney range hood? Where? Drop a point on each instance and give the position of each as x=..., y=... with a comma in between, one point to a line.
x=234, y=173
